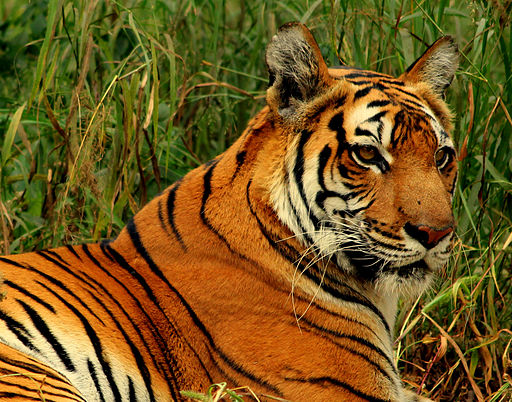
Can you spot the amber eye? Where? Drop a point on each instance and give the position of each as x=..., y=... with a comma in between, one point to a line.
x=367, y=153
x=441, y=157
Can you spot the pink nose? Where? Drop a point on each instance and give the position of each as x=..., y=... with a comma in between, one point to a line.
x=427, y=236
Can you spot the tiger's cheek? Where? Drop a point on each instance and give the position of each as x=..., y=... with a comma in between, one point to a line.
x=384, y=208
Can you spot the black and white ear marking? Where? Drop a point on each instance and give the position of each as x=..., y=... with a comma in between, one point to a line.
x=436, y=67
x=297, y=71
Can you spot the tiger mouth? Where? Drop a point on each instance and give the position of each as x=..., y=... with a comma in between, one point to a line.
x=370, y=267
x=411, y=269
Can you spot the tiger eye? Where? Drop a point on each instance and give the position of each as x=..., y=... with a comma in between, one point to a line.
x=440, y=157
x=367, y=153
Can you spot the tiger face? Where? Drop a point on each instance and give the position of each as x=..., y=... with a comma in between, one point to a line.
x=370, y=168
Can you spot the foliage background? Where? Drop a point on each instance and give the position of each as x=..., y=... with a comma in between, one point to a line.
x=104, y=103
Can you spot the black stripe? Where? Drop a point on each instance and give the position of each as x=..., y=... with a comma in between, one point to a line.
x=378, y=103
x=385, y=233
x=354, y=338
x=131, y=388
x=19, y=330
x=28, y=294
x=94, y=376
x=398, y=122
x=325, y=193
x=207, y=189
x=352, y=351
x=171, y=198
x=293, y=256
x=43, y=329
x=346, y=173
x=134, y=235
x=135, y=238
x=318, y=112
x=136, y=327
x=161, y=218
x=454, y=182
x=54, y=254
x=365, y=74
x=323, y=158
x=282, y=247
x=104, y=245
x=336, y=293
x=95, y=342
x=298, y=173
x=357, y=210
x=155, y=331
x=380, y=130
x=340, y=101
x=71, y=249
x=377, y=116
x=34, y=368
x=64, y=287
x=406, y=93
x=10, y=262
x=123, y=264
x=363, y=92
x=365, y=133
x=346, y=318
x=336, y=124
x=361, y=82
x=303, y=232
x=141, y=364
x=392, y=82
x=12, y=395
x=240, y=160
x=326, y=381
x=23, y=391
x=413, y=107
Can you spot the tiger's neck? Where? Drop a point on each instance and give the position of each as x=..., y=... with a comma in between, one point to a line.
x=226, y=204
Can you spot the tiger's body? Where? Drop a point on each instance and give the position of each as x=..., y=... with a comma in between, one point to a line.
x=276, y=266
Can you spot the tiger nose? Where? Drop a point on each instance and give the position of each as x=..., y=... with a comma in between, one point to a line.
x=427, y=236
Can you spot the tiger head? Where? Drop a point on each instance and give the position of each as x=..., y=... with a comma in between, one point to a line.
x=370, y=169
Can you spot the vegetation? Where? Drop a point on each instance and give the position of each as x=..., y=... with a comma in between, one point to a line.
x=104, y=103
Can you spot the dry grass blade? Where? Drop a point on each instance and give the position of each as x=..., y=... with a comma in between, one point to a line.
x=474, y=386
x=81, y=81
x=463, y=153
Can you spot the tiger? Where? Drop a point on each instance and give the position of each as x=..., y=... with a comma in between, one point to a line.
x=275, y=266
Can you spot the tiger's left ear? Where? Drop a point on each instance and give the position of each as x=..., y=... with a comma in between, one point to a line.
x=436, y=67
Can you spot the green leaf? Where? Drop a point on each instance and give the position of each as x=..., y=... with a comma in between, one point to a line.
x=501, y=180
x=53, y=12
x=11, y=133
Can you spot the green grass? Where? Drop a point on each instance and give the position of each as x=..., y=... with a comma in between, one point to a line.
x=103, y=104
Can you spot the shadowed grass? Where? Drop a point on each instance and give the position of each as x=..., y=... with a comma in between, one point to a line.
x=103, y=104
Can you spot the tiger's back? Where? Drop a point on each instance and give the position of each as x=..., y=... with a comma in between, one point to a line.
x=277, y=265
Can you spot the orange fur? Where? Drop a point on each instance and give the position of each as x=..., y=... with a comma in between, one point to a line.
x=210, y=282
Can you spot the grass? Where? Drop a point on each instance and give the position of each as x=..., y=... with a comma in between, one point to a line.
x=104, y=103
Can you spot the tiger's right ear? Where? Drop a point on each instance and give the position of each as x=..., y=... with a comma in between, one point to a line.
x=297, y=70
x=436, y=67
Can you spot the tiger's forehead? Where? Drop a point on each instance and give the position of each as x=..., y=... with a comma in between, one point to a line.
x=379, y=109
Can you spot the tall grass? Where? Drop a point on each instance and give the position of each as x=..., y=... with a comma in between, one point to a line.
x=104, y=103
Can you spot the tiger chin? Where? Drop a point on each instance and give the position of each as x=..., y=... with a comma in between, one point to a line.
x=276, y=266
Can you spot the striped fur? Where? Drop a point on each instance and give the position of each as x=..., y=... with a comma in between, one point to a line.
x=277, y=265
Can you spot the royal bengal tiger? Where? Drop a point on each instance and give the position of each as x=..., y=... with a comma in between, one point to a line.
x=277, y=265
